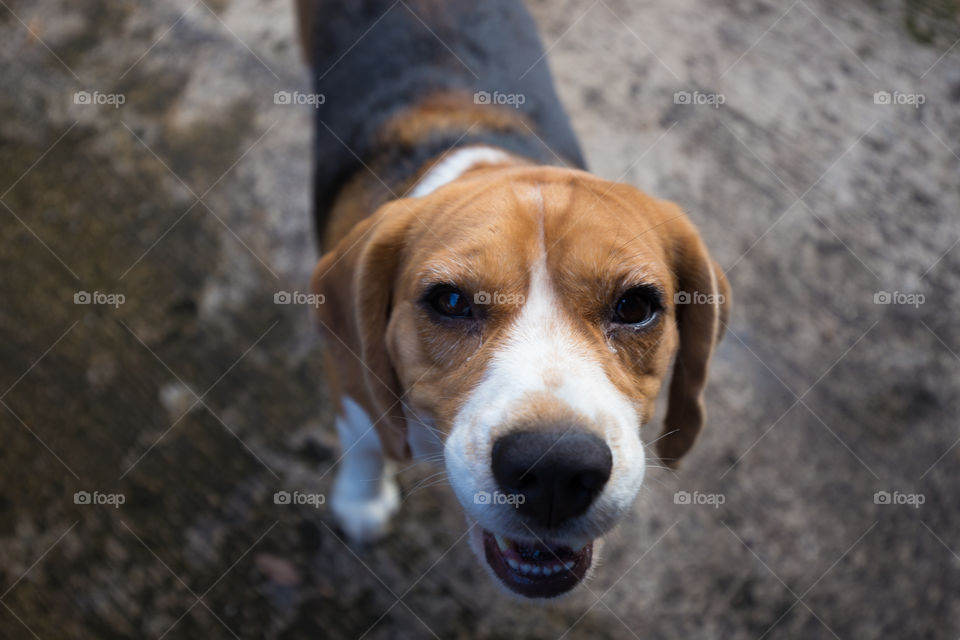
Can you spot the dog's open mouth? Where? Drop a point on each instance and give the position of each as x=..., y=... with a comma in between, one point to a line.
x=536, y=569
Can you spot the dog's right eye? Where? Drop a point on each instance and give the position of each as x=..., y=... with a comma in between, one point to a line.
x=638, y=307
x=449, y=301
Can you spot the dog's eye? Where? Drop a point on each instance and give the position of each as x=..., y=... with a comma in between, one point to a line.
x=449, y=301
x=638, y=306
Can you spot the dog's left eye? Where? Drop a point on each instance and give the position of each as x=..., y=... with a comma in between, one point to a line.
x=449, y=301
x=638, y=306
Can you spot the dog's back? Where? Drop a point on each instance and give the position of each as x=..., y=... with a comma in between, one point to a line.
x=374, y=59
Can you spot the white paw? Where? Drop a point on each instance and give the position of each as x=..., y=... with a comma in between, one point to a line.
x=364, y=518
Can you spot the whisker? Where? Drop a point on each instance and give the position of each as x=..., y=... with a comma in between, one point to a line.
x=662, y=436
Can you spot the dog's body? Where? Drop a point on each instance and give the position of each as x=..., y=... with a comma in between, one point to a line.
x=487, y=303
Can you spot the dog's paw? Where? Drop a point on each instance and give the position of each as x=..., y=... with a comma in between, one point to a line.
x=364, y=519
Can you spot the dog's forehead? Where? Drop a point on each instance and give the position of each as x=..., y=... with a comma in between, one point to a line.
x=488, y=232
x=594, y=229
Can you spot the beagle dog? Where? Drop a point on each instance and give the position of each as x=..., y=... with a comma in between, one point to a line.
x=487, y=303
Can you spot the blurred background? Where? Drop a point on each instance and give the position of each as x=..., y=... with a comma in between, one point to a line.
x=155, y=198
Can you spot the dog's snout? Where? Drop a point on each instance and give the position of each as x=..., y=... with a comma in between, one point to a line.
x=558, y=473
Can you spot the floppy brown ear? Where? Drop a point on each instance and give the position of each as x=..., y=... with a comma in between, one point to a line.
x=702, y=306
x=356, y=281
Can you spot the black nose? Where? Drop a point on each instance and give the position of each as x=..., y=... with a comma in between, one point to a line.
x=558, y=473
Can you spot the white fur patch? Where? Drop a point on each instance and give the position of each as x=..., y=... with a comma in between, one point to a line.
x=542, y=355
x=454, y=165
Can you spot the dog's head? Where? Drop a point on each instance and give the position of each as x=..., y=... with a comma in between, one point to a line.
x=521, y=322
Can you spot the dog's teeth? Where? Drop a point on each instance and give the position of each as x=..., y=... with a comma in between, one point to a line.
x=502, y=542
x=547, y=571
x=536, y=570
x=526, y=568
x=556, y=568
x=568, y=565
x=513, y=563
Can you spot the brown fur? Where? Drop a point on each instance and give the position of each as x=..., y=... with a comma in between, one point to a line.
x=449, y=111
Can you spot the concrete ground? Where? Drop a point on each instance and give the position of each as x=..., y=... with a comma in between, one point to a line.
x=194, y=398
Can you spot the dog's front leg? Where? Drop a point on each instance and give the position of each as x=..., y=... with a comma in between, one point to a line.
x=365, y=493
